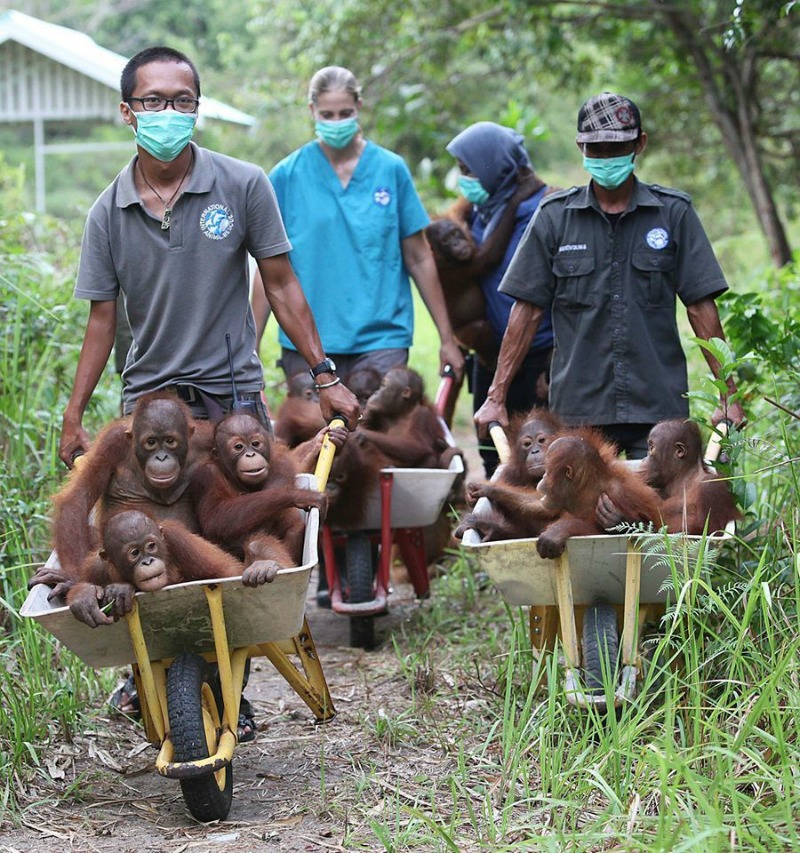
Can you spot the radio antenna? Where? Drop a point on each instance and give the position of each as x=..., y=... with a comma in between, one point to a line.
x=234, y=392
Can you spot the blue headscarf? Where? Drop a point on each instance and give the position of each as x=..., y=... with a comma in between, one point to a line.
x=494, y=154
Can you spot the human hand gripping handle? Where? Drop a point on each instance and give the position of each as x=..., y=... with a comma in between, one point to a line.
x=74, y=443
x=489, y=413
x=451, y=358
x=326, y=454
x=336, y=401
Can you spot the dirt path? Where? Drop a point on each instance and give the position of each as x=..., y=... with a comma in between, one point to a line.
x=295, y=786
x=289, y=783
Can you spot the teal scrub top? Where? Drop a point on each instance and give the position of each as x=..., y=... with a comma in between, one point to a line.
x=347, y=245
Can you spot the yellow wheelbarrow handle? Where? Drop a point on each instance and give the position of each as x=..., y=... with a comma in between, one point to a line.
x=498, y=435
x=326, y=454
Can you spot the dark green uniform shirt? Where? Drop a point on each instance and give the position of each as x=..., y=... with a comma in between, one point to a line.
x=612, y=289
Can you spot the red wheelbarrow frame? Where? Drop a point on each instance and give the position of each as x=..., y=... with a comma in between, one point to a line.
x=409, y=540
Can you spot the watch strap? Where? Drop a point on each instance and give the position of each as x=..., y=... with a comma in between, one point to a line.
x=325, y=366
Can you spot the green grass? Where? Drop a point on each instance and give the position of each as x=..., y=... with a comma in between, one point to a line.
x=43, y=688
x=705, y=759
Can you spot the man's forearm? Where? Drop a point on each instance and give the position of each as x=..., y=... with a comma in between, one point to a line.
x=523, y=323
x=285, y=296
x=704, y=320
x=98, y=342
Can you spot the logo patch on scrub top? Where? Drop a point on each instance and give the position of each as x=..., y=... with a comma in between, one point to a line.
x=216, y=222
x=657, y=238
x=382, y=196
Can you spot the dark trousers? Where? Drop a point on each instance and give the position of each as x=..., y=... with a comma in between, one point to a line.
x=631, y=439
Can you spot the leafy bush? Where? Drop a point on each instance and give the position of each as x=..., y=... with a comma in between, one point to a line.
x=40, y=334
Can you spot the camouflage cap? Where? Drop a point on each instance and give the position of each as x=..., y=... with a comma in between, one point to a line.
x=608, y=118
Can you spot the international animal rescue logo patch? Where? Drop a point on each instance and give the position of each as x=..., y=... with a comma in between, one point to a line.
x=216, y=222
x=657, y=238
x=382, y=197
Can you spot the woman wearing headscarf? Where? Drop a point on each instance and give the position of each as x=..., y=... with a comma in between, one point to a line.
x=493, y=163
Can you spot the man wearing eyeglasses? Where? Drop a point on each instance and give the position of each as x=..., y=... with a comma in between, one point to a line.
x=172, y=234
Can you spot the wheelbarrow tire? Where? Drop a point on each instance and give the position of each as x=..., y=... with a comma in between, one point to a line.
x=600, y=645
x=360, y=584
x=194, y=721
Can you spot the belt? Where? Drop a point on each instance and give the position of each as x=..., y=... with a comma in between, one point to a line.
x=190, y=394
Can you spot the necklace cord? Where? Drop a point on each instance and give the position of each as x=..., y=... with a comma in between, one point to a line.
x=165, y=220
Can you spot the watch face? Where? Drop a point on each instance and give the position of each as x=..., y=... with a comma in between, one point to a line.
x=326, y=366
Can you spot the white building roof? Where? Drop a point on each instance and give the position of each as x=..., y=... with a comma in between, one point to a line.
x=33, y=86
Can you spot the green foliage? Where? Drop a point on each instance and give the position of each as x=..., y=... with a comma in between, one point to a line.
x=703, y=754
x=42, y=688
x=766, y=321
x=428, y=71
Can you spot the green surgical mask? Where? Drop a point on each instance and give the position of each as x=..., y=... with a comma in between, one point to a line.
x=337, y=134
x=164, y=134
x=472, y=189
x=609, y=172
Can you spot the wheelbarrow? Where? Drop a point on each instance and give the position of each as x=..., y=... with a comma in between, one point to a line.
x=599, y=583
x=404, y=502
x=189, y=707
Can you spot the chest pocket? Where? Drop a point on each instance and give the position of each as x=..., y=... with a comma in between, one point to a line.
x=574, y=288
x=654, y=271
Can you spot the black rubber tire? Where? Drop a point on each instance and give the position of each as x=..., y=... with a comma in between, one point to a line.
x=360, y=586
x=194, y=722
x=362, y=632
x=600, y=645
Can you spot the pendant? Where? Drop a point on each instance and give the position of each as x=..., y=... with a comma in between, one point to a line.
x=166, y=218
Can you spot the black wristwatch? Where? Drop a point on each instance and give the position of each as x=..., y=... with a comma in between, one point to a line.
x=326, y=366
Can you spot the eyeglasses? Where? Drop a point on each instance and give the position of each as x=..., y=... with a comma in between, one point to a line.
x=153, y=104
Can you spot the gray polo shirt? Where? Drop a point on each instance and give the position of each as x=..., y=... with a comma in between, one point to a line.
x=612, y=290
x=186, y=287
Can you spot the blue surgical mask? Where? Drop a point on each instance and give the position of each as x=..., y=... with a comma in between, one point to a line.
x=164, y=134
x=609, y=172
x=472, y=189
x=337, y=134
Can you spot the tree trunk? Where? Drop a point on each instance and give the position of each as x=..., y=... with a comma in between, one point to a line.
x=728, y=88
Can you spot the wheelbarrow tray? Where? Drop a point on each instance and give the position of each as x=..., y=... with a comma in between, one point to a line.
x=597, y=567
x=176, y=619
x=597, y=563
x=418, y=494
x=625, y=570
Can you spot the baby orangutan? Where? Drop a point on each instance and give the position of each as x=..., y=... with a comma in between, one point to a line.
x=402, y=425
x=693, y=498
x=247, y=498
x=579, y=468
x=299, y=417
x=140, y=554
x=516, y=511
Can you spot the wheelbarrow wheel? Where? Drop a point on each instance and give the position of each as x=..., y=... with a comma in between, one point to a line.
x=358, y=559
x=600, y=645
x=194, y=722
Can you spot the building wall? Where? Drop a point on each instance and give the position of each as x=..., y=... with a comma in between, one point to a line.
x=33, y=86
